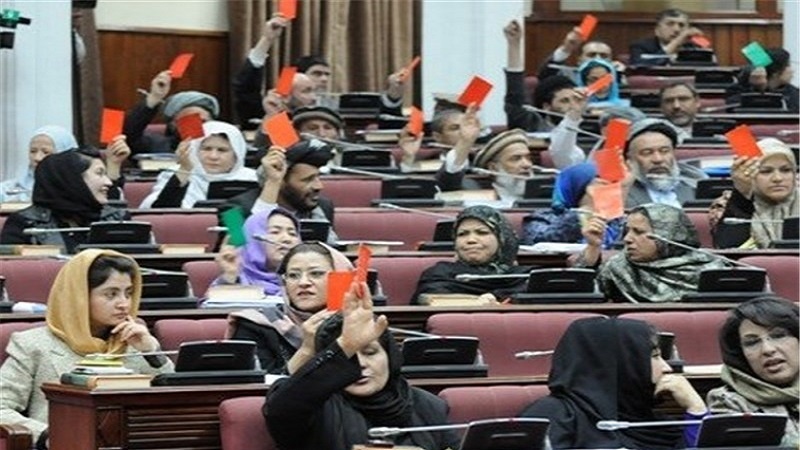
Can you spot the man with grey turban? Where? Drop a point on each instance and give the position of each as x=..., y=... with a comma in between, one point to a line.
x=178, y=105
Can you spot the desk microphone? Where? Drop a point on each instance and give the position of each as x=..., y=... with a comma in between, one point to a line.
x=613, y=425
x=533, y=354
x=563, y=67
x=17, y=191
x=217, y=229
x=738, y=221
x=720, y=107
x=700, y=250
x=338, y=143
x=654, y=56
x=492, y=172
x=383, y=176
x=413, y=333
x=148, y=271
x=382, y=432
x=414, y=211
x=555, y=114
x=35, y=231
x=787, y=132
x=128, y=355
x=473, y=277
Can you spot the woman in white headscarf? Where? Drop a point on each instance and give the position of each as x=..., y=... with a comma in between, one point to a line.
x=44, y=142
x=765, y=192
x=217, y=156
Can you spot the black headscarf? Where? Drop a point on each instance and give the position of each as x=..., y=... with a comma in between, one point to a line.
x=507, y=240
x=602, y=371
x=390, y=407
x=60, y=187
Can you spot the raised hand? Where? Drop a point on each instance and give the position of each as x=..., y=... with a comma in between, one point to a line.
x=159, y=88
x=136, y=335
x=360, y=327
x=743, y=170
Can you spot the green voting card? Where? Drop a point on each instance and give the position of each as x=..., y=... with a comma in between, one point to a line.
x=233, y=219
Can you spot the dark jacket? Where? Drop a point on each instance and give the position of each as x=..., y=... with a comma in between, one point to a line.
x=272, y=349
x=516, y=115
x=309, y=411
x=652, y=46
x=734, y=235
x=136, y=121
x=40, y=217
x=441, y=279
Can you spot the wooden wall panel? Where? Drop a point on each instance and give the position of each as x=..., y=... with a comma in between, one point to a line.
x=543, y=35
x=130, y=58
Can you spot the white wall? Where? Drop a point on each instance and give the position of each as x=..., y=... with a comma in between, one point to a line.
x=462, y=39
x=791, y=18
x=35, y=79
x=207, y=15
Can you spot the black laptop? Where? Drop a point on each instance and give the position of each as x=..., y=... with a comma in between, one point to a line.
x=442, y=357
x=122, y=236
x=742, y=430
x=761, y=103
x=410, y=192
x=213, y=362
x=732, y=284
x=789, y=236
x=314, y=230
x=220, y=191
x=560, y=285
x=166, y=291
x=520, y=433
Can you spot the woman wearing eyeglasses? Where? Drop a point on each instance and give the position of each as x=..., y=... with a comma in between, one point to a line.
x=284, y=334
x=759, y=343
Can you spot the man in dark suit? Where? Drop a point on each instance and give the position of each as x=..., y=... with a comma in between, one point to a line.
x=672, y=33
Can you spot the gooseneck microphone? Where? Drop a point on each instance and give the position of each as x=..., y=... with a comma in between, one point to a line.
x=613, y=425
x=338, y=143
x=494, y=173
x=414, y=211
x=700, y=250
x=530, y=354
x=738, y=221
x=473, y=277
x=35, y=231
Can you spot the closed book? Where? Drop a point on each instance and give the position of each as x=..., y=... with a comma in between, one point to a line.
x=99, y=370
x=452, y=300
x=132, y=381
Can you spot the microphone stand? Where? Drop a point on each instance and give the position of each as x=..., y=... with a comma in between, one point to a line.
x=472, y=277
x=612, y=425
x=54, y=230
x=700, y=250
x=555, y=114
x=533, y=354
x=384, y=176
x=336, y=142
x=492, y=172
x=738, y=221
x=414, y=211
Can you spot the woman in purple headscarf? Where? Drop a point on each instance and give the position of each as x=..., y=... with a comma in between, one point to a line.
x=257, y=262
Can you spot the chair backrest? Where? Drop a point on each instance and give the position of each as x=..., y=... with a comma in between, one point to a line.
x=489, y=402
x=782, y=273
x=351, y=192
x=242, y=425
x=399, y=275
x=504, y=334
x=384, y=225
x=201, y=275
x=136, y=191
x=171, y=333
x=696, y=332
x=30, y=279
x=700, y=221
x=12, y=327
x=182, y=228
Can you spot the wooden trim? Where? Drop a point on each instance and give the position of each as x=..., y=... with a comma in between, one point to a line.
x=17, y=436
x=632, y=19
x=170, y=31
x=765, y=9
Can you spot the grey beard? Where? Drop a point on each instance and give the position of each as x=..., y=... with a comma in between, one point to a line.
x=661, y=183
x=512, y=186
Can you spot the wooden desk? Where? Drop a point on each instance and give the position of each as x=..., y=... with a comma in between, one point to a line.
x=186, y=417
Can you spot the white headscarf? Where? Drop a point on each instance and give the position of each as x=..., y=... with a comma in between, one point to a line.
x=766, y=226
x=199, y=179
x=22, y=186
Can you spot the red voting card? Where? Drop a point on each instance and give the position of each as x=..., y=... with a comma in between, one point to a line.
x=607, y=200
x=362, y=264
x=287, y=8
x=609, y=164
x=476, y=92
x=280, y=130
x=112, y=124
x=604, y=82
x=190, y=126
x=617, y=134
x=284, y=85
x=587, y=26
x=409, y=69
x=180, y=64
x=415, y=121
x=701, y=41
x=742, y=142
x=338, y=285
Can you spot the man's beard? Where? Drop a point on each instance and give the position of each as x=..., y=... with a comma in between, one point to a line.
x=512, y=185
x=656, y=181
x=296, y=202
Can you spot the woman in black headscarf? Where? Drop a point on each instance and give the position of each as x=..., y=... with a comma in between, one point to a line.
x=352, y=384
x=611, y=369
x=71, y=190
x=485, y=244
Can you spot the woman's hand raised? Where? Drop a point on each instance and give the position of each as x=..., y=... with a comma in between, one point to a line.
x=360, y=327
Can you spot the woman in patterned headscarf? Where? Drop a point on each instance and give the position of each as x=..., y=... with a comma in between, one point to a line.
x=650, y=270
x=485, y=244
